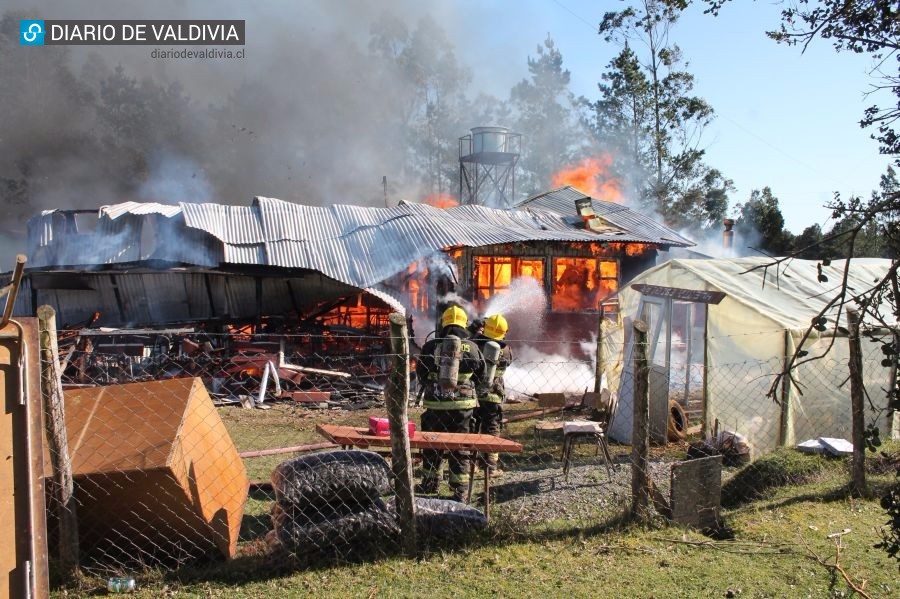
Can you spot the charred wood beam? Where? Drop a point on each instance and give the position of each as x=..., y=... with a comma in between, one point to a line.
x=259, y=297
x=292, y=295
x=118, y=295
x=324, y=309
x=209, y=295
x=113, y=332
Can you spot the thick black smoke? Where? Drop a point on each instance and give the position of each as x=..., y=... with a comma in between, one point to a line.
x=331, y=97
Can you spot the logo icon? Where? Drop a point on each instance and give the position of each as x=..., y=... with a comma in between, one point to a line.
x=31, y=33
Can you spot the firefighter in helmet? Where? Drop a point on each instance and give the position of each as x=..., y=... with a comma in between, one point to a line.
x=491, y=388
x=448, y=368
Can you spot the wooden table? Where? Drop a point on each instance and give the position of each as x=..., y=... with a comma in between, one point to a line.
x=351, y=436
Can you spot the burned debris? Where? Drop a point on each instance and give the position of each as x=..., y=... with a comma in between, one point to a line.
x=280, y=300
x=313, y=370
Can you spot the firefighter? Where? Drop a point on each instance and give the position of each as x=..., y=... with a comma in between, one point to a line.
x=491, y=388
x=448, y=367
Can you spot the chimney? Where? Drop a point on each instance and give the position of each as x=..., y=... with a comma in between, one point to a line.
x=728, y=234
x=589, y=218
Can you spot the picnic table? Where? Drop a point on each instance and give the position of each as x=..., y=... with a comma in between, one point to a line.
x=352, y=436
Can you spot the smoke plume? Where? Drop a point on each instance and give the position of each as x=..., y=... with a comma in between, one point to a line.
x=330, y=98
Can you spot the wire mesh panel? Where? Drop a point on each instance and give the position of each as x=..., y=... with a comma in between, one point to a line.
x=190, y=446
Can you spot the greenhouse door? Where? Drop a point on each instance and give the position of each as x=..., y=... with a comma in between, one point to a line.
x=675, y=351
x=657, y=313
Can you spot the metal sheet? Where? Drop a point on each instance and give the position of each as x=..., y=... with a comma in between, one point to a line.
x=562, y=201
x=357, y=245
x=139, y=208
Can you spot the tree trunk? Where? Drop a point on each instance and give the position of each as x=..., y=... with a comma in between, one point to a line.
x=857, y=406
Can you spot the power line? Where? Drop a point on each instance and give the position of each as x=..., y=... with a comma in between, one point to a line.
x=594, y=26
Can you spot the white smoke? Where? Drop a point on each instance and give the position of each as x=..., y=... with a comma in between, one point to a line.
x=535, y=372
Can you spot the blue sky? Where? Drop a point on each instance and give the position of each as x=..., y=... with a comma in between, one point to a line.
x=786, y=119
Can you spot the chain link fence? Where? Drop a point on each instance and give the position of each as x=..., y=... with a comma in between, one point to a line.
x=187, y=446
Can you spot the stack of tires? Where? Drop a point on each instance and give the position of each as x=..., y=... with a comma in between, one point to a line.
x=329, y=506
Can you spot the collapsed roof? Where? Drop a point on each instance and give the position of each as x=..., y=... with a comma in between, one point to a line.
x=356, y=245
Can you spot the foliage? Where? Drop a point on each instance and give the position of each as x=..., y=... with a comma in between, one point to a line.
x=891, y=531
x=876, y=235
x=647, y=109
x=806, y=244
x=760, y=224
x=545, y=111
x=433, y=83
x=863, y=27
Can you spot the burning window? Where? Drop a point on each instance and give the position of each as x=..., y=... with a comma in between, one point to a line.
x=579, y=284
x=493, y=274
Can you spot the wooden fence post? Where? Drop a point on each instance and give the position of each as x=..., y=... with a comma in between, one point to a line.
x=640, y=436
x=396, y=394
x=55, y=422
x=857, y=407
x=598, y=376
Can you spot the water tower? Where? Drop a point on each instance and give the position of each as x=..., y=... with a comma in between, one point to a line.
x=487, y=166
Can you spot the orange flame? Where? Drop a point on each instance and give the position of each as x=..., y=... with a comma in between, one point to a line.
x=441, y=200
x=592, y=176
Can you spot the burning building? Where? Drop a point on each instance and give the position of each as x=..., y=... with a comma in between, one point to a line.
x=137, y=264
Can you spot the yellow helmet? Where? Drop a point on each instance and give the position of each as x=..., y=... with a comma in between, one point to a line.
x=495, y=327
x=454, y=315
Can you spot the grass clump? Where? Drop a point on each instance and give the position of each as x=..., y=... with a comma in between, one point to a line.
x=760, y=479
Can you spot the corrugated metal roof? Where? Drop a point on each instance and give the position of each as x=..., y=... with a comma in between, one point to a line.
x=562, y=201
x=230, y=224
x=138, y=208
x=361, y=246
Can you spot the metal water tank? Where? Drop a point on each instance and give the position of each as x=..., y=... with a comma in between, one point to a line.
x=490, y=139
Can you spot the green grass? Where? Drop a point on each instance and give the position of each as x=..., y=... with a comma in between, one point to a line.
x=770, y=556
x=635, y=563
x=777, y=469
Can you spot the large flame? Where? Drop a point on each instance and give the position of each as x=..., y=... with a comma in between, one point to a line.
x=441, y=200
x=592, y=176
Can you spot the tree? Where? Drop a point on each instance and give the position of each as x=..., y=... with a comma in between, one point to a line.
x=703, y=203
x=865, y=27
x=860, y=26
x=646, y=105
x=621, y=119
x=431, y=95
x=545, y=112
x=760, y=224
x=807, y=245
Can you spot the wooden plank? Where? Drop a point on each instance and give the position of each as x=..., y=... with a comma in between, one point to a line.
x=640, y=437
x=308, y=396
x=360, y=437
x=23, y=561
x=698, y=296
x=696, y=492
x=256, y=453
x=58, y=443
x=551, y=400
